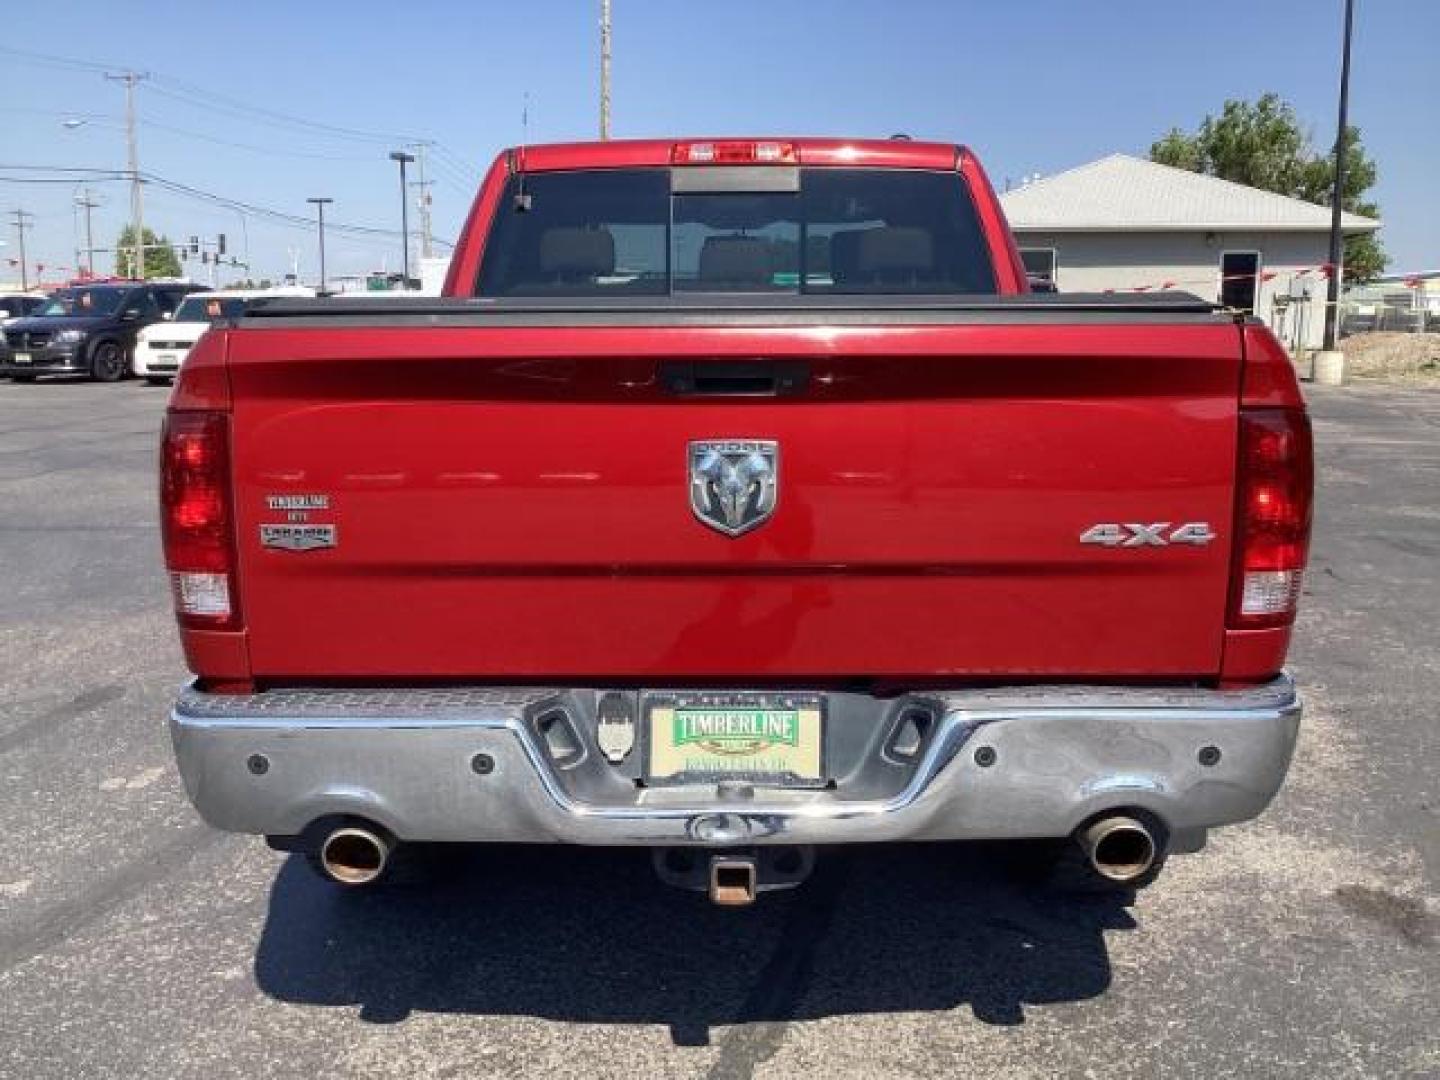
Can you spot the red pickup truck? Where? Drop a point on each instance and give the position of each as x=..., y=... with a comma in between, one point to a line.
x=738, y=497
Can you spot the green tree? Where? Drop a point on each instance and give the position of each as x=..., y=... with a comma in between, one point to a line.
x=1261, y=143
x=160, y=257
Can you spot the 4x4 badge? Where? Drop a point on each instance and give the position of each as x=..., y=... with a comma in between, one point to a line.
x=734, y=482
x=1156, y=534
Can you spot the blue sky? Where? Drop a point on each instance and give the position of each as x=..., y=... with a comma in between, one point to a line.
x=1033, y=87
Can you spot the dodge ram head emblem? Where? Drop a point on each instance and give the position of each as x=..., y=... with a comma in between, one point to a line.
x=733, y=482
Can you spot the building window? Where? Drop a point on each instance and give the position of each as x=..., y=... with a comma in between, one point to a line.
x=1239, y=279
x=1039, y=262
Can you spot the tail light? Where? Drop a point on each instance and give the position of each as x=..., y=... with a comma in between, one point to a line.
x=734, y=152
x=197, y=519
x=1275, y=481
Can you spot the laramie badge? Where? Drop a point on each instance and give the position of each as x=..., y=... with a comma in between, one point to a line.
x=297, y=537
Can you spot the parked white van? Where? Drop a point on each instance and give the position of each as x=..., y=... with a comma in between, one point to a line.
x=161, y=349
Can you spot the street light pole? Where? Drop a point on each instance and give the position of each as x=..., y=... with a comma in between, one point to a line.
x=1332, y=293
x=320, y=203
x=89, y=202
x=404, y=159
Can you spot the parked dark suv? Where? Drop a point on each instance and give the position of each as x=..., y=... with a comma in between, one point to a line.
x=87, y=330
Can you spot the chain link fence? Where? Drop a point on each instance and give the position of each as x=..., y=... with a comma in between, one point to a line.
x=1405, y=312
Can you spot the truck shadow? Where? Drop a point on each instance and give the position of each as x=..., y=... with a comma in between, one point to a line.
x=591, y=936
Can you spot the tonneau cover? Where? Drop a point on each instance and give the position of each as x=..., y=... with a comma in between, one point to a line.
x=719, y=309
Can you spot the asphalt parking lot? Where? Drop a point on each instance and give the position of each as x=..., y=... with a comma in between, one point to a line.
x=136, y=942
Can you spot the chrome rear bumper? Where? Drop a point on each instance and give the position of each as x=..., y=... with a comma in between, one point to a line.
x=467, y=765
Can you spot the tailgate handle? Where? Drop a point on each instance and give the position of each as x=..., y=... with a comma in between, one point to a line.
x=742, y=378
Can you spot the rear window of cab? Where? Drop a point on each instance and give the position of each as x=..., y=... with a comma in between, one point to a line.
x=619, y=232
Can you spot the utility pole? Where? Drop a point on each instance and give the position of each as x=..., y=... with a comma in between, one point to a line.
x=319, y=203
x=1332, y=292
x=22, y=222
x=427, y=248
x=604, y=69
x=404, y=159
x=245, y=239
x=137, y=207
x=75, y=233
x=88, y=203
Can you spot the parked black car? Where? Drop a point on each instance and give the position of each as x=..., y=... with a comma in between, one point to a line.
x=87, y=330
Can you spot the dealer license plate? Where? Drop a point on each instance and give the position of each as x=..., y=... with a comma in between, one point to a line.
x=704, y=737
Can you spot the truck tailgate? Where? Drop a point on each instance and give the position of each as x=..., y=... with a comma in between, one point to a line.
x=513, y=502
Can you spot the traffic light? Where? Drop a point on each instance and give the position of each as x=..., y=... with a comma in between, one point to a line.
x=220, y=243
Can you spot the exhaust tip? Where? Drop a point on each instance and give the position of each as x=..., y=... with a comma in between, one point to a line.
x=1120, y=849
x=732, y=882
x=354, y=856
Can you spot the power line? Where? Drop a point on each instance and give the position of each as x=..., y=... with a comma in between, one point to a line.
x=64, y=168
x=451, y=168
x=75, y=114
x=197, y=96
x=452, y=176
x=263, y=117
x=59, y=179
x=267, y=150
x=265, y=213
x=269, y=213
x=90, y=174
x=178, y=88
x=464, y=164
x=57, y=61
x=461, y=181
x=117, y=123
